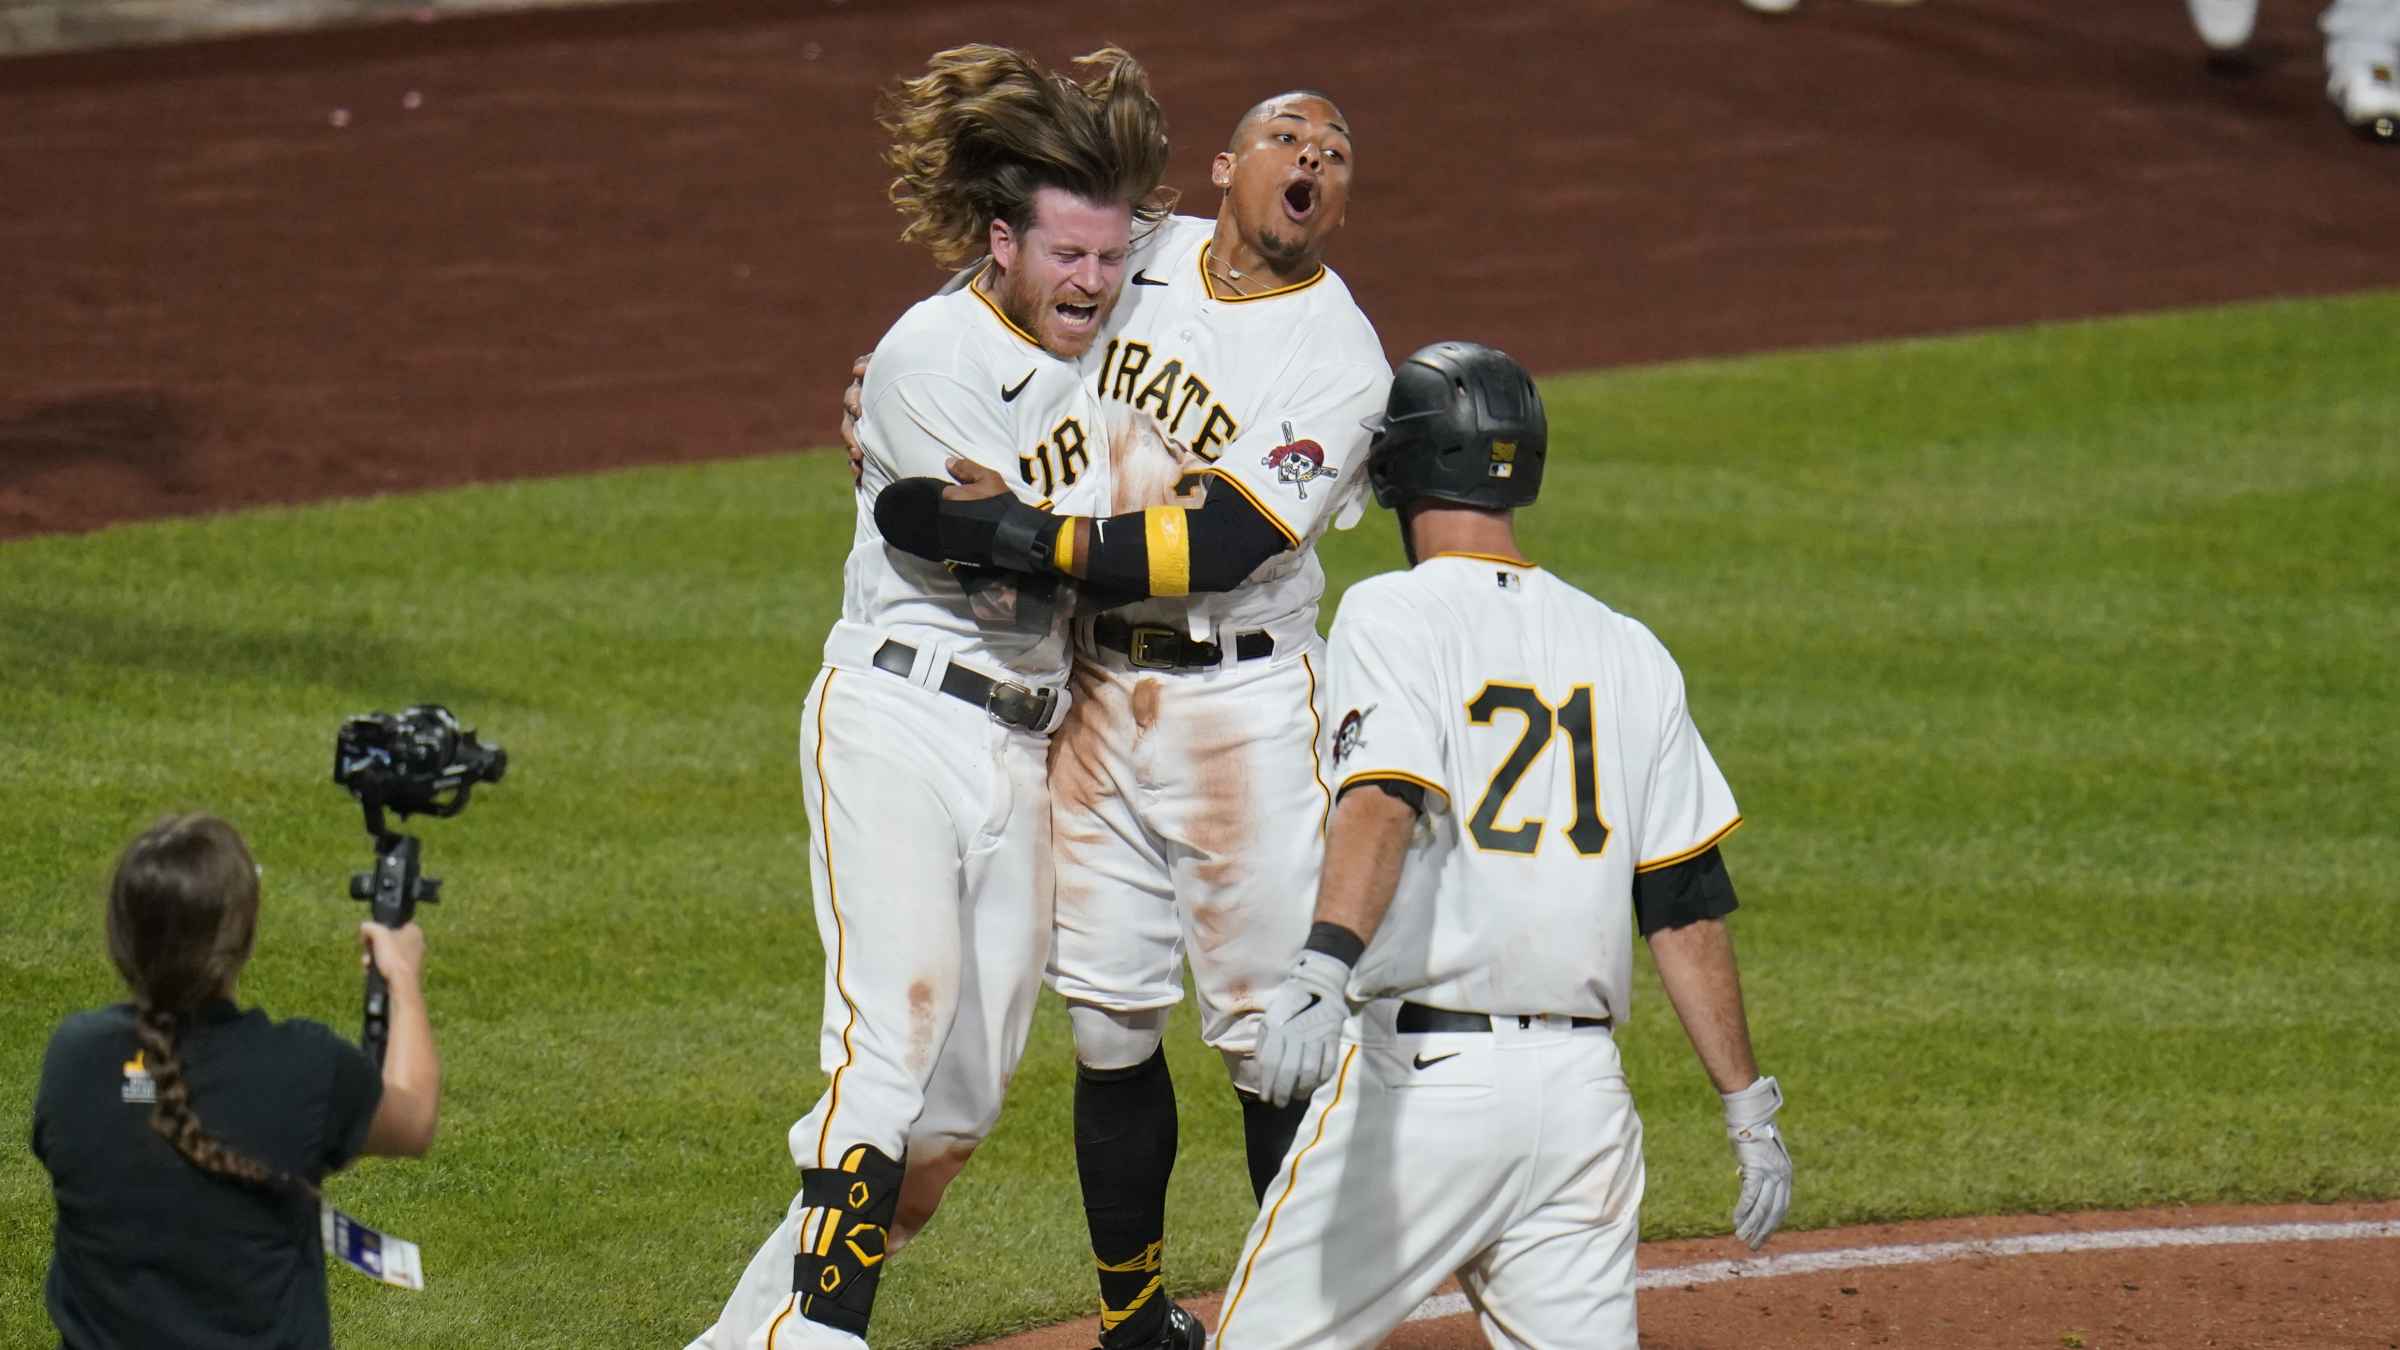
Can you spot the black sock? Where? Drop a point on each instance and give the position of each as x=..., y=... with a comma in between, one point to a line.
x=1267, y=1136
x=1124, y=1153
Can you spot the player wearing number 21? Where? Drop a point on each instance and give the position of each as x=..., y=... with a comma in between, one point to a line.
x=1518, y=785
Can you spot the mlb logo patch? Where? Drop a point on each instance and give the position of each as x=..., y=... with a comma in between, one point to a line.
x=138, y=1085
x=1507, y=580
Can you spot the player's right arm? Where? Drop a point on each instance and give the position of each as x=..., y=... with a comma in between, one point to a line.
x=853, y=406
x=1157, y=551
x=1387, y=763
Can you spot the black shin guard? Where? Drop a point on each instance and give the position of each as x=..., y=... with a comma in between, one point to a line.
x=1124, y=1152
x=836, y=1274
x=1267, y=1133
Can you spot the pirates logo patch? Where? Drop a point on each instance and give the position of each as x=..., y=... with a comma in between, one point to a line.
x=1352, y=734
x=1298, y=462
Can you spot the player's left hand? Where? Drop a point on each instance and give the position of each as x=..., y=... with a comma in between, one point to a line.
x=1766, y=1165
x=851, y=410
x=1303, y=1028
x=975, y=482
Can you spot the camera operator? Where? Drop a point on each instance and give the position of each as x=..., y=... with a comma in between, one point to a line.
x=186, y=1137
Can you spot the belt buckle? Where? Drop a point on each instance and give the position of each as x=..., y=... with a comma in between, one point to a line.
x=1137, y=646
x=1014, y=705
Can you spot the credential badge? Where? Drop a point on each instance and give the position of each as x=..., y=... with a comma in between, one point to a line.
x=139, y=1086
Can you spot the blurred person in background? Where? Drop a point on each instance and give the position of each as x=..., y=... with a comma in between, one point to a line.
x=1787, y=6
x=2362, y=51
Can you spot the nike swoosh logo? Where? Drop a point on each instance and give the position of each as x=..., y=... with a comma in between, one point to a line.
x=1313, y=1000
x=1008, y=395
x=1424, y=1063
x=1145, y=279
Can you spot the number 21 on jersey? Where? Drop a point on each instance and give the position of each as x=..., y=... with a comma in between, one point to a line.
x=1588, y=833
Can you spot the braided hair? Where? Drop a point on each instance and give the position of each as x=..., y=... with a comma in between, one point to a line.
x=182, y=918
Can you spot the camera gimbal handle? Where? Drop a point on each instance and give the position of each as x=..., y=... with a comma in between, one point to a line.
x=392, y=892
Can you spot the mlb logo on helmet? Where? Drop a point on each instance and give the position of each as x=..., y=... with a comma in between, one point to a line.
x=1298, y=462
x=1504, y=459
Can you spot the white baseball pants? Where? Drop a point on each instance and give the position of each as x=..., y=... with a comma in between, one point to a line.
x=1512, y=1158
x=929, y=857
x=1189, y=813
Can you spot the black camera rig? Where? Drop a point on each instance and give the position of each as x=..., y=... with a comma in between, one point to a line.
x=418, y=761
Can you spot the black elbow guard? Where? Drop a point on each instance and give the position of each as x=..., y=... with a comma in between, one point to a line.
x=997, y=531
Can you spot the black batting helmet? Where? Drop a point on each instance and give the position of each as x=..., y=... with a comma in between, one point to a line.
x=1463, y=424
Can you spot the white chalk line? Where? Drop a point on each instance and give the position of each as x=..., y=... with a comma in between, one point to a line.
x=1912, y=1254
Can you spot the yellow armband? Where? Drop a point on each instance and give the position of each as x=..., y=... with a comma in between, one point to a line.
x=1165, y=530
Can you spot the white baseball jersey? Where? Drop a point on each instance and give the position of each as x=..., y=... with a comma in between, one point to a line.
x=1189, y=803
x=1552, y=734
x=955, y=377
x=928, y=822
x=1550, y=738
x=1270, y=391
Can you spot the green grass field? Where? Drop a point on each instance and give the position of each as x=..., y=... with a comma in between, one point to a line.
x=2052, y=669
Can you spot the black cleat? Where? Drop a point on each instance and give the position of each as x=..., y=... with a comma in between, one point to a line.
x=1182, y=1332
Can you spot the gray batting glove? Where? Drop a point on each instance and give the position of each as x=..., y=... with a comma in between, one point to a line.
x=1766, y=1165
x=1303, y=1028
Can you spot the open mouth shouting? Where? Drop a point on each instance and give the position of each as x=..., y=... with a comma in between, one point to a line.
x=1075, y=318
x=1300, y=199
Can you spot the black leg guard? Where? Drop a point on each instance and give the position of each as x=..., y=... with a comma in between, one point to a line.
x=1125, y=1128
x=835, y=1276
x=1267, y=1136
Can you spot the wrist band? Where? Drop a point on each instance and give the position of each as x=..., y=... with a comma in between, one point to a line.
x=1331, y=939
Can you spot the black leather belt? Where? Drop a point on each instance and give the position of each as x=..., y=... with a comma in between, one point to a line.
x=1011, y=705
x=1152, y=646
x=1416, y=1017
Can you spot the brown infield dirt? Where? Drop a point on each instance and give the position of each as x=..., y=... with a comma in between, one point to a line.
x=276, y=270
x=2282, y=1295
x=397, y=257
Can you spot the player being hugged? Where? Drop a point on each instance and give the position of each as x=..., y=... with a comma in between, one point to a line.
x=923, y=740
x=1519, y=784
x=1189, y=803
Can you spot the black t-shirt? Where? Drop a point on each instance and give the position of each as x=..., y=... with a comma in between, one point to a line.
x=150, y=1250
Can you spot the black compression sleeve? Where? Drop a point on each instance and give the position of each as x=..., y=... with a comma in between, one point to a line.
x=1173, y=550
x=1408, y=793
x=1230, y=538
x=1670, y=897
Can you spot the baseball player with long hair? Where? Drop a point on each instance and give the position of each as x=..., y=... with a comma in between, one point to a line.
x=923, y=739
x=1519, y=786
x=1188, y=800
